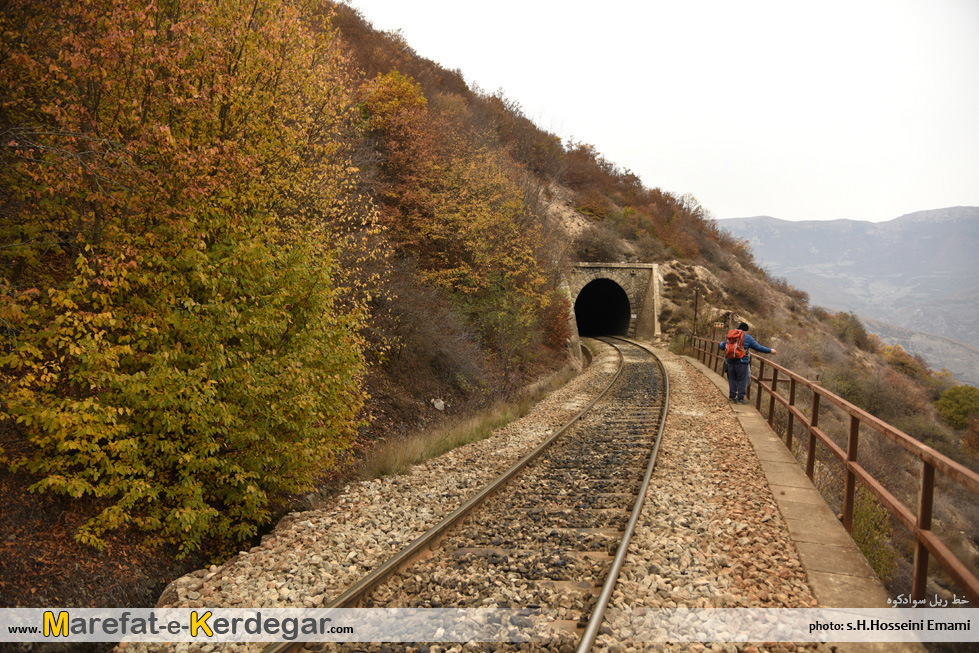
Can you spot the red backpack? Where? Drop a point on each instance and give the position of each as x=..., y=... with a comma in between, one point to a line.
x=734, y=347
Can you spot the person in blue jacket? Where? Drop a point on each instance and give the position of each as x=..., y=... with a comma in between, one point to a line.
x=739, y=369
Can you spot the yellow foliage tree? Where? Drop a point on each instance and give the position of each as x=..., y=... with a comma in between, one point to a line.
x=178, y=198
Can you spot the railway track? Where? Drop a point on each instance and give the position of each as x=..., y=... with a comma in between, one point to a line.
x=551, y=533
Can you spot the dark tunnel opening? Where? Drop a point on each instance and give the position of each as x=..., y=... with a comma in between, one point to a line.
x=602, y=309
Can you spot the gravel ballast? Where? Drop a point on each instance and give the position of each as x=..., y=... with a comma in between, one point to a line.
x=710, y=533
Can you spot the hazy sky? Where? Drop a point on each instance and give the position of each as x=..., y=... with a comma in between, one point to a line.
x=861, y=109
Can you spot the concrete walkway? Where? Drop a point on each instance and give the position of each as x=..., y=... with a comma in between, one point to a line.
x=838, y=573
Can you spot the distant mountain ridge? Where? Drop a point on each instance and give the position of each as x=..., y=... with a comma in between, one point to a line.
x=919, y=272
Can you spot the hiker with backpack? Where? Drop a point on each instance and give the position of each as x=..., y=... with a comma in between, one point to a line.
x=736, y=347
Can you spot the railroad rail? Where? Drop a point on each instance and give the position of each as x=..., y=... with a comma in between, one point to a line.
x=555, y=515
x=805, y=402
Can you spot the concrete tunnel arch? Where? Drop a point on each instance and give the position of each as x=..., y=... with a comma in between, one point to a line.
x=602, y=308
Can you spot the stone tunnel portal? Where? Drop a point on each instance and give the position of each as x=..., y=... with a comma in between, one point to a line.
x=602, y=309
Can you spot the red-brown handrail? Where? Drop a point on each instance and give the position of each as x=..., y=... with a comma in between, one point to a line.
x=919, y=524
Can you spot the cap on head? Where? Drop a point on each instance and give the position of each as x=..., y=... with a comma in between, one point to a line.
x=743, y=326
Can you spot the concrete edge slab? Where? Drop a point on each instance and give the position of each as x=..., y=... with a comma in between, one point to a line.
x=827, y=560
x=803, y=509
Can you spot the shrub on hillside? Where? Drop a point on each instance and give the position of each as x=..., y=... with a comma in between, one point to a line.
x=928, y=430
x=585, y=168
x=959, y=405
x=746, y=294
x=887, y=396
x=925, y=428
x=650, y=249
x=556, y=321
x=908, y=365
x=597, y=244
x=849, y=329
x=782, y=285
x=431, y=343
x=872, y=533
x=176, y=344
x=592, y=202
x=820, y=313
x=808, y=352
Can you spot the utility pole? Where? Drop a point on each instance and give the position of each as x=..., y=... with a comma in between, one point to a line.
x=696, y=307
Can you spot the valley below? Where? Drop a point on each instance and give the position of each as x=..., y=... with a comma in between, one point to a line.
x=914, y=280
x=939, y=352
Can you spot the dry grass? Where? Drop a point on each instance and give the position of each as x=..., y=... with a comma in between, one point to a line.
x=397, y=455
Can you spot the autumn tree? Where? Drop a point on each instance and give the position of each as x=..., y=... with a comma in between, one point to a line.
x=396, y=116
x=175, y=205
x=849, y=329
x=454, y=205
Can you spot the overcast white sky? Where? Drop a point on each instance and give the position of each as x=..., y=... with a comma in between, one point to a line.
x=860, y=109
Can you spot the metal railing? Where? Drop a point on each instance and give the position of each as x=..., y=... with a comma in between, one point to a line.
x=919, y=523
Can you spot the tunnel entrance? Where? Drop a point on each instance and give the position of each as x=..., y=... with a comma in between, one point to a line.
x=602, y=309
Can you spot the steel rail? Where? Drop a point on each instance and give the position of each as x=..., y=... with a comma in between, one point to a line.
x=362, y=588
x=598, y=612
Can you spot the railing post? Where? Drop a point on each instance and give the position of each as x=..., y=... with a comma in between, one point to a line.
x=849, y=488
x=919, y=580
x=761, y=375
x=771, y=402
x=791, y=421
x=813, y=423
